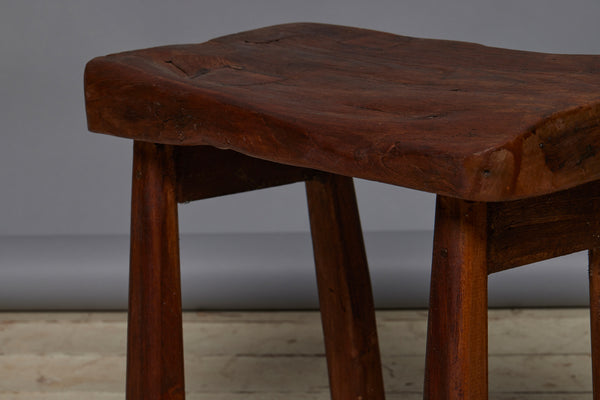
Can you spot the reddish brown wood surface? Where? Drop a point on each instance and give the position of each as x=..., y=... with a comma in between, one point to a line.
x=594, y=272
x=538, y=228
x=204, y=171
x=454, y=118
x=155, y=341
x=456, y=361
x=345, y=296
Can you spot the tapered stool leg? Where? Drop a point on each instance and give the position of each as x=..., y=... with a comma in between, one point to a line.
x=155, y=341
x=594, y=270
x=346, y=301
x=456, y=362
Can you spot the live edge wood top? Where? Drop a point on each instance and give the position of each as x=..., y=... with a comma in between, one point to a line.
x=454, y=118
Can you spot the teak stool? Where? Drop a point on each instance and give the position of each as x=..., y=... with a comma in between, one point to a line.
x=508, y=140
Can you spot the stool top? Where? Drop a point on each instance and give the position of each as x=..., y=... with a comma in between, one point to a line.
x=454, y=118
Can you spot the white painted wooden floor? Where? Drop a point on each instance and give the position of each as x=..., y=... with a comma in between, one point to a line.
x=534, y=354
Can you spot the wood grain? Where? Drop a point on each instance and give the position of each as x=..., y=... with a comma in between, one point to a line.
x=524, y=332
x=155, y=339
x=204, y=171
x=536, y=229
x=594, y=276
x=454, y=118
x=456, y=360
x=345, y=297
x=507, y=139
x=535, y=354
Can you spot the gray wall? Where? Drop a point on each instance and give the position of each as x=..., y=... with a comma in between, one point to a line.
x=58, y=179
x=71, y=187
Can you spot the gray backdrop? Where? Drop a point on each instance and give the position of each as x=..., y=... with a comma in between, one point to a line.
x=57, y=179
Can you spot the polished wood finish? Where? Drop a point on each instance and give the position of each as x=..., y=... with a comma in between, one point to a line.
x=204, y=171
x=594, y=274
x=456, y=361
x=155, y=340
x=507, y=139
x=474, y=239
x=346, y=301
x=454, y=118
x=535, y=229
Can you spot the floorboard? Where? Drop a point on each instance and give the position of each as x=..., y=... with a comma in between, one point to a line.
x=536, y=354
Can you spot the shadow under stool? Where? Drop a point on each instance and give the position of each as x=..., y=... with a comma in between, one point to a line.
x=508, y=140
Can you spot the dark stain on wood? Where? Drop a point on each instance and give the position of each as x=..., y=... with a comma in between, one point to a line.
x=454, y=118
x=155, y=336
x=204, y=172
x=507, y=139
x=535, y=229
x=346, y=301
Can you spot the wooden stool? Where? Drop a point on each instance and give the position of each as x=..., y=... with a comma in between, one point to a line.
x=508, y=140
